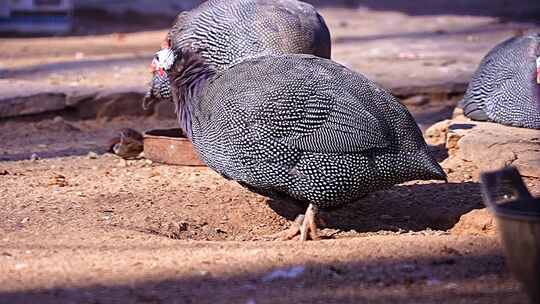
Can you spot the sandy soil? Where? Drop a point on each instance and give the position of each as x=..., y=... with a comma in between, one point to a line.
x=83, y=226
x=99, y=229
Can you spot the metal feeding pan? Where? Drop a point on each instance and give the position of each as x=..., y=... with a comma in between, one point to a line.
x=518, y=220
x=170, y=146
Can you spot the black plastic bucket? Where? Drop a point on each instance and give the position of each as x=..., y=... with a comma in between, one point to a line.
x=518, y=221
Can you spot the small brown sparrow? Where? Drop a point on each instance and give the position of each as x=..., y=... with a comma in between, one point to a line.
x=129, y=144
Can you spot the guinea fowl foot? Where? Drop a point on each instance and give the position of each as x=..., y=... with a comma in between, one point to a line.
x=309, y=225
x=303, y=225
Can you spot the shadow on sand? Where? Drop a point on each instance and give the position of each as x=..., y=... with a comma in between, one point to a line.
x=406, y=207
x=353, y=281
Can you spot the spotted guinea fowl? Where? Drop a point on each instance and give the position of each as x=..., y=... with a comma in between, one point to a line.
x=299, y=127
x=506, y=87
x=224, y=32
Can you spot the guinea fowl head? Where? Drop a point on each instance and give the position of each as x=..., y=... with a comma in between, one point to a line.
x=160, y=85
x=188, y=75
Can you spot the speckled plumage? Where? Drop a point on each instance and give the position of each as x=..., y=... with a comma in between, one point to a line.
x=504, y=87
x=303, y=127
x=225, y=32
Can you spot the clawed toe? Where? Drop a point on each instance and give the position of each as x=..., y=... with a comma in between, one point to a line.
x=303, y=225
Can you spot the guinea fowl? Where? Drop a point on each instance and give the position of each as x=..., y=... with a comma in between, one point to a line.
x=225, y=32
x=299, y=127
x=506, y=87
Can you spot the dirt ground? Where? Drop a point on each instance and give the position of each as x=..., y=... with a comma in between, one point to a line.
x=86, y=228
x=80, y=225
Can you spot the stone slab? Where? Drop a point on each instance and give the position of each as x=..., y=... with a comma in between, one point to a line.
x=21, y=98
x=490, y=146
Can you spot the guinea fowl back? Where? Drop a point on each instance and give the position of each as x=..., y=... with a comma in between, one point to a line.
x=504, y=88
x=225, y=32
x=307, y=128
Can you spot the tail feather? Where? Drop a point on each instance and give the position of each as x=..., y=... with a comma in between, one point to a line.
x=432, y=170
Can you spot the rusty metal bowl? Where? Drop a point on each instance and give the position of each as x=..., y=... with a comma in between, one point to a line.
x=517, y=215
x=170, y=146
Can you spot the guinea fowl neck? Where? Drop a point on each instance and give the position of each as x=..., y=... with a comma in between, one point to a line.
x=189, y=76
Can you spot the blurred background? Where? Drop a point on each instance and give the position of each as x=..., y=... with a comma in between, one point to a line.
x=96, y=52
x=89, y=59
x=86, y=16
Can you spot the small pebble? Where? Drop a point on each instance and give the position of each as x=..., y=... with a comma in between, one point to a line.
x=289, y=273
x=451, y=286
x=34, y=157
x=20, y=266
x=92, y=155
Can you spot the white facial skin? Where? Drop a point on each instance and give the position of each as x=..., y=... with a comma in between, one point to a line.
x=163, y=60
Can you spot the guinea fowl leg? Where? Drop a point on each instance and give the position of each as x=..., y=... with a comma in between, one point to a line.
x=309, y=226
x=305, y=225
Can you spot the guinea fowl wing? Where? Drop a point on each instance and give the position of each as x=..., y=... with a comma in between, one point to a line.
x=319, y=122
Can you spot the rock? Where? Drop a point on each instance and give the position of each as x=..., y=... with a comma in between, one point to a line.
x=458, y=114
x=528, y=164
x=476, y=222
x=19, y=97
x=119, y=104
x=34, y=157
x=92, y=155
x=492, y=146
x=454, y=134
x=58, y=180
x=76, y=98
x=489, y=146
x=436, y=134
x=56, y=125
x=112, y=103
x=34, y=104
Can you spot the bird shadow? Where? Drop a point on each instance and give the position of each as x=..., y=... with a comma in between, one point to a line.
x=436, y=206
